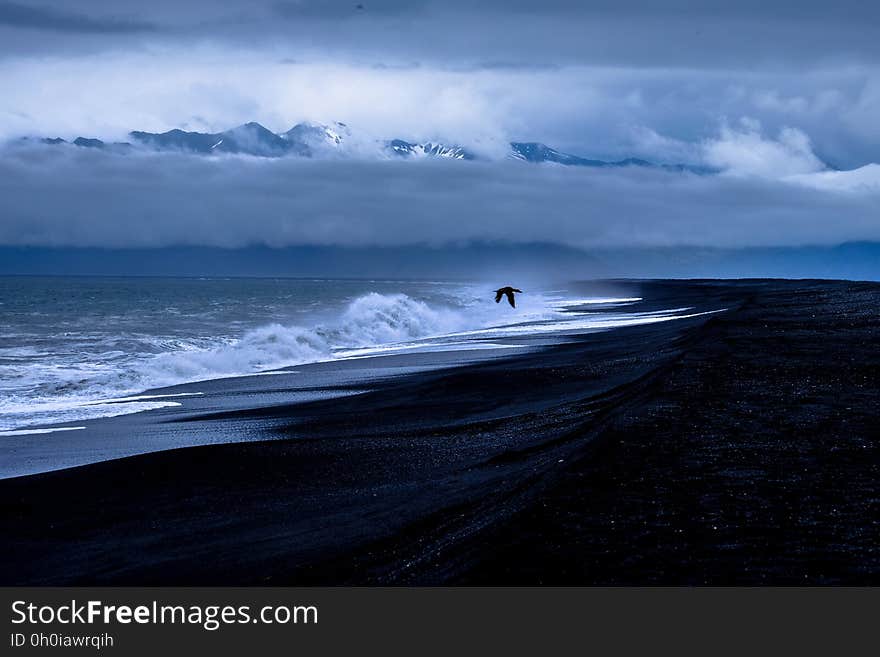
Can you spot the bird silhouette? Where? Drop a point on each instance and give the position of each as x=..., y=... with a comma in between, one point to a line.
x=500, y=292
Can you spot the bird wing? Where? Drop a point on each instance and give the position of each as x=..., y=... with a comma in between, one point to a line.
x=498, y=294
x=511, y=299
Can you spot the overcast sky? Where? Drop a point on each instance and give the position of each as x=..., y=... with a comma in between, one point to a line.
x=771, y=93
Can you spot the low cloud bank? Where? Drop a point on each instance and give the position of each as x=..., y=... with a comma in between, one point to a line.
x=82, y=198
x=746, y=151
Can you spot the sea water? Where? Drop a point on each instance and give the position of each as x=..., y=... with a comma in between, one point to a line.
x=69, y=343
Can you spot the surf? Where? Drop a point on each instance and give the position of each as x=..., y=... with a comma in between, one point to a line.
x=112, y=380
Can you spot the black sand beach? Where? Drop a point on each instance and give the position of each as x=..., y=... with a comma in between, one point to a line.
x=736, y=448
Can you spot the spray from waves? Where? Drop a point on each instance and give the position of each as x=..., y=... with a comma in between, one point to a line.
x=376, y=319
x=372, y=319
x=258, y=349
x=66, y=393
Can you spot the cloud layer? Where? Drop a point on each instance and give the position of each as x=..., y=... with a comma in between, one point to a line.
x=776, y=95
x=602, y=113
x=16, y=15
x=594, y=78
x=80, y=197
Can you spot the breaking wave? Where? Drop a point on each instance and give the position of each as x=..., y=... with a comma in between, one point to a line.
x=372, y=319
x=63, y=392
x=90, y=374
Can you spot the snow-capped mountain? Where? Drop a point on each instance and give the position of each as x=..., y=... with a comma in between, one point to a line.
x=249, y=139
x=318, y=136
x=533, y=151
x=304, y=139
x=428, y=149
x=336, y=140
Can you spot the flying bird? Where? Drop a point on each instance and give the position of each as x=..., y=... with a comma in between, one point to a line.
x=509, y=292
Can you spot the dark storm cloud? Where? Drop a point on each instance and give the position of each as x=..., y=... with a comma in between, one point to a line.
x=529, y=33
x=770, y=92
x=605, y=78
x=520, y=32
x=84, y=198
x=39, y=17
x=783, y=9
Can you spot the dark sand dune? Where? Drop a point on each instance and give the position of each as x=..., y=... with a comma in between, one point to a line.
x=741, y=447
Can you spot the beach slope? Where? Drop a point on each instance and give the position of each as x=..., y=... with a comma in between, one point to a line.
x=741, y=447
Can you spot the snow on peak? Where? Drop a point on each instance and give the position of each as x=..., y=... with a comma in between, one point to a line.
x=428, y=149
x=317, y=135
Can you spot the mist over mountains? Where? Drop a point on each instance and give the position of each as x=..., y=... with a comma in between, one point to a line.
x=321, y=198
x=336, y=140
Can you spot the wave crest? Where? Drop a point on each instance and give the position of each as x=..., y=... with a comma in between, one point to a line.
x=375, y=319
x=370, y=320
x=258, y=349
x=65, y=390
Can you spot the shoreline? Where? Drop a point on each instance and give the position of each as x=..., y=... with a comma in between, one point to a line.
x=575, y=464
x=117, y=428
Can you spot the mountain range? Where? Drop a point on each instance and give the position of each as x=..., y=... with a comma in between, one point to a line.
x=318, y=140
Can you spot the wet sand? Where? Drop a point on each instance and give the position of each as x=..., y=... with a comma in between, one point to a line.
x=735, y=448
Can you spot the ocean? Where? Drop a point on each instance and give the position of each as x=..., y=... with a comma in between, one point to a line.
x=79, y=348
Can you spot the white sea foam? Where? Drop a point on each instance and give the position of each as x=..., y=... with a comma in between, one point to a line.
x=137, y=398
x=56, y=390
x=593, y=301
x=111, y=382
x=583, y=322
x=31, y=432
